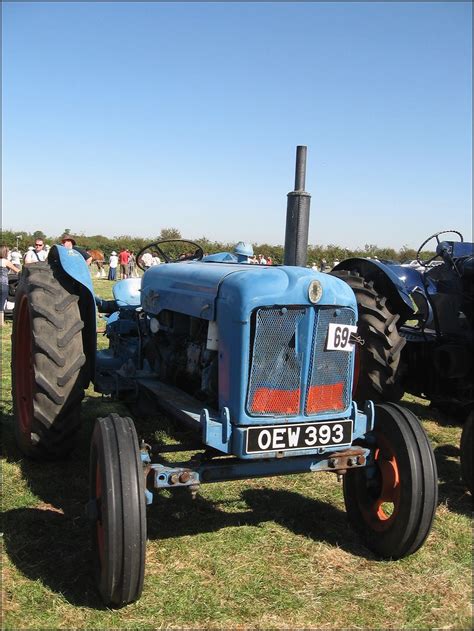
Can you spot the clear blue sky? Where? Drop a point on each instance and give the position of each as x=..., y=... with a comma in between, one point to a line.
x=126, y=118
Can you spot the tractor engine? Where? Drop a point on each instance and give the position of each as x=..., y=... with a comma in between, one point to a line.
x=179, y=351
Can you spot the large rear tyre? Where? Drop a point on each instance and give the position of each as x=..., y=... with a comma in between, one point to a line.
x=466, y=452
x=391, y=503
x=117, y=495
x=378, y=364
x=48, y=362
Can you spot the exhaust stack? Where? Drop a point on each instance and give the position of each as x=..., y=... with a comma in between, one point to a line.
x=297, y=215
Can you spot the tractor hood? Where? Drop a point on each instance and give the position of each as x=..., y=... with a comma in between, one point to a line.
x=194, y=288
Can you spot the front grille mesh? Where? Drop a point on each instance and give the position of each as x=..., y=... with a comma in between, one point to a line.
x=275, y=374
x=276, y=366
x=329, y=386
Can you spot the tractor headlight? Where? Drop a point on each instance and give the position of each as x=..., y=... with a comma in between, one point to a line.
x=315, y=291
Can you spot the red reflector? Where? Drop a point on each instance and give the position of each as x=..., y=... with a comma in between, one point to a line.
x=276, y=401
x=325, y=398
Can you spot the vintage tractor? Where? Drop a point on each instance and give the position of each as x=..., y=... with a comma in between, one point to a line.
x=417, y=326
x=258, y=360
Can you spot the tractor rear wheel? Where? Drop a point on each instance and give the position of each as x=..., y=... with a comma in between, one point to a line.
x=378, y=365
x=117, y=510
x=48, y=362
x=466, y=452
x=392, y=501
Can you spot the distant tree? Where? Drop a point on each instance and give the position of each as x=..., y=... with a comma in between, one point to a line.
x=370, y=249
x=169, y=233
x=39, y=234
x=406, y=254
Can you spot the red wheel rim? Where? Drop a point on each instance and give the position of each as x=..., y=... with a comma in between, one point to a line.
x=380, y=509
x=24, y=369
x=99, y=525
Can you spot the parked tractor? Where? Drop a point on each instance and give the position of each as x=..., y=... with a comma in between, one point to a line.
x=257, y=360
x=417, y=326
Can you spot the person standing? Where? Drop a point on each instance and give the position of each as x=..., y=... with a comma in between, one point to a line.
x=123, y=261
x=5, y=265
x=38, y=254
x=15, y=257
x=70, y=243
x=147, y=260
x=132, y=272
x=113, y=262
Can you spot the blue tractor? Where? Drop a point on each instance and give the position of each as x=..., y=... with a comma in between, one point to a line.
x=417, y=324
x=257, y=360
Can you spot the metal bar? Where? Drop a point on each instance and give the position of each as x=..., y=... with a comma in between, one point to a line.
x=300, y=169
x=225, y=469
x=171, y=400
x=297, y=215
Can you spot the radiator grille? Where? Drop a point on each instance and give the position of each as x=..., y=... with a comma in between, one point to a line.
x=275, y=373
x=329, y=384
x=275, y=384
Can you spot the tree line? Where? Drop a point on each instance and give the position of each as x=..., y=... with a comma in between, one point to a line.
x=316, y=253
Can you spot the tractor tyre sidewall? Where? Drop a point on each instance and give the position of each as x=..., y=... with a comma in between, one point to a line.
x=48, y=363
x=379, y=358
x=415, y=459
x=119, y=567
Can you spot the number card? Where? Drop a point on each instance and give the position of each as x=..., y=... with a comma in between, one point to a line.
x=339, y=336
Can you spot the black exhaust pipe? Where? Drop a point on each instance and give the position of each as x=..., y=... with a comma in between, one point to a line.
x=297, y=215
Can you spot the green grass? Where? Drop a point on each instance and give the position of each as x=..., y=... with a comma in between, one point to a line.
x=259, y=554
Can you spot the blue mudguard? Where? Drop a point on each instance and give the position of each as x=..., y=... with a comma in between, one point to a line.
x=385, y=277
x=75, y=266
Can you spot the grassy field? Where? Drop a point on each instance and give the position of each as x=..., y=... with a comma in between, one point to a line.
x=262, y=554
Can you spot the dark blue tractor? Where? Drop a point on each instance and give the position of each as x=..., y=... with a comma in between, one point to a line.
x=416, y=321
x=258, y=360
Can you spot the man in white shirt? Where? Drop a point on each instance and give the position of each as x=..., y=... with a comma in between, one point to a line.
x=15, y=257
x=113, y=262
x=36, y=255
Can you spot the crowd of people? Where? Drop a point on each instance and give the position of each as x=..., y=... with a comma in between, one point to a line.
x=121, y=265
x=260, y=259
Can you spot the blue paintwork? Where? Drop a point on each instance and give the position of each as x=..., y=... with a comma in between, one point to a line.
x=217, y=432
x=220, y=257
x=127, y=292
x=222, y=292
x=193, y=288
x=73, y=264
x=385, y=277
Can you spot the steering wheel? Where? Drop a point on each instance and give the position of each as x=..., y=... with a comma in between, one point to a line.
x=173, y=253
x=434, y=236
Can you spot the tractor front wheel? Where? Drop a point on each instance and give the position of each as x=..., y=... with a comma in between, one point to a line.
x=391, y=503
x=117, y=510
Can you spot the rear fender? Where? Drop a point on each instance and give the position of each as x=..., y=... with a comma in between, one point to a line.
x=73, y=264
x=386, y=282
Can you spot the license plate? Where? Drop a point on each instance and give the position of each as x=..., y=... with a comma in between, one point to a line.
x=298, y=436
